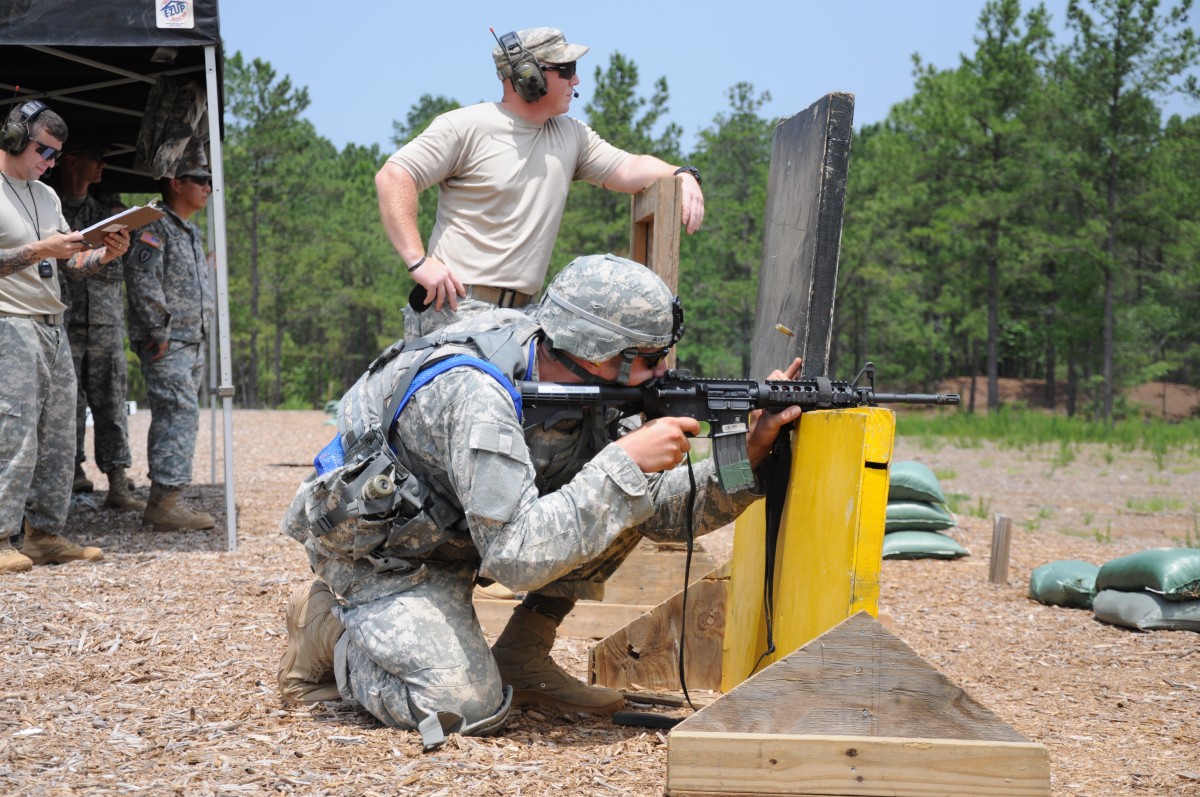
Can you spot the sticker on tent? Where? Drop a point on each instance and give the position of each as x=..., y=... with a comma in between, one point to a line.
x=176, y=14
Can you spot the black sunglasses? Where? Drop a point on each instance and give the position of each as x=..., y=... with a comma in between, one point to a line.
x=45, y=151
x=565, y=71
x=197, y=180
x=652, y=357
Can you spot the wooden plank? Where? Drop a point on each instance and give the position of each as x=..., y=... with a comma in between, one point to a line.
x=656, y=214
x=856, y=679
x=853, y=766
x=830, y=548
x=789, y=729
x=646, y=652
x=589, y=619
x=653, y=573
x=806, y=194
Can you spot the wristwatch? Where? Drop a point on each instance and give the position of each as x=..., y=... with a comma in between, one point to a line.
x=692, y=170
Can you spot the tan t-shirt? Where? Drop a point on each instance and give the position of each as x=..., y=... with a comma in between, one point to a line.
x=502, y=185
x=29, y=211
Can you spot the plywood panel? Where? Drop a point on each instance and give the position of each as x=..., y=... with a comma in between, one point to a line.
x=830, y=546
x=806, y=195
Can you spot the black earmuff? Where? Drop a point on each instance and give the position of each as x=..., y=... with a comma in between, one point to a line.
x=527, y=77
x=14, y=138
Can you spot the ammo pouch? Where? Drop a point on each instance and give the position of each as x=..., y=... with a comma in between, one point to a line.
x=374, y=503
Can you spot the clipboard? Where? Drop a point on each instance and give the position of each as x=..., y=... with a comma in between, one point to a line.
x=132, y=218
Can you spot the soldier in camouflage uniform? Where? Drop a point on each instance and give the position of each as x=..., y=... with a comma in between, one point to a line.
x=170, y=314
x=390, y=624
x=37, y=393
x=96, y=329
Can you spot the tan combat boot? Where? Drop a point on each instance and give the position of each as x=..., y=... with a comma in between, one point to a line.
x=165, y=512
x=54, y=549
x=523, y=655
x=12, y=560
x=305, y=672
x=82, y=483
x=119, y=494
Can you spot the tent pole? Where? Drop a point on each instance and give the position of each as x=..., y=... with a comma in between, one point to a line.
x=217, y=247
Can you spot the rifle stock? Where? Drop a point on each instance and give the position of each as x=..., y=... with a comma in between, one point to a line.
x=724, y=404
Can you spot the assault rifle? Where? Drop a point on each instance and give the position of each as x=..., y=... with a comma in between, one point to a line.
x=724, y=404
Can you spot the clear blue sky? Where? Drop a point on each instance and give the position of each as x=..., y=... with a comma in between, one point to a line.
x=366, y=62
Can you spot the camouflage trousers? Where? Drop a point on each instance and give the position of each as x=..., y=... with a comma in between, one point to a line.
x=418, y=325
x=172, y=390
x=420, y=657
x=98, y=351
x=37, y=425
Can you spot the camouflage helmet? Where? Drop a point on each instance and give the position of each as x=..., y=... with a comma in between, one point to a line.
x=602, y=305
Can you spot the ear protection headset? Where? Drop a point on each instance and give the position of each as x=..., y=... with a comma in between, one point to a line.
x=14, y=138
x=527, y=77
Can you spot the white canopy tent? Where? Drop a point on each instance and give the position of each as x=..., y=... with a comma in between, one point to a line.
x=95, y=64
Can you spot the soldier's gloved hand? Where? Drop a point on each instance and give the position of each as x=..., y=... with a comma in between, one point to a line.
x=660, y=444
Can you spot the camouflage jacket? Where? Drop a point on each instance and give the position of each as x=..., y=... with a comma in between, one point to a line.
x=536, y=503
x=166, y=281
x=97, y=299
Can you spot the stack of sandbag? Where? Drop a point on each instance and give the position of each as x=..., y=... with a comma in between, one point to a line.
x=1067, y=582
x=1149, y=590
x=916, y=516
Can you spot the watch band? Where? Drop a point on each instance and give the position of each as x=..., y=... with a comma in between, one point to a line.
x=693, y=171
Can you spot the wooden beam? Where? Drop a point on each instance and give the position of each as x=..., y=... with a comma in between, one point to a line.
x=646, y=652
x=853, y=766
x=853, y=712
x=655, y=218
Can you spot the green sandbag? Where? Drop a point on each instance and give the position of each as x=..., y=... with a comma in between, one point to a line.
x=1068, y=582
x=1173, y=573
x=921, y=545
x=917, y=516
x=911, y=481
x=1145, y=611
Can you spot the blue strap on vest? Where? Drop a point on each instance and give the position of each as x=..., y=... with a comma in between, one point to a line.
x=332, y=456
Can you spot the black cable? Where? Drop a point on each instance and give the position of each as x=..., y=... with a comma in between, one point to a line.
x=687, y=577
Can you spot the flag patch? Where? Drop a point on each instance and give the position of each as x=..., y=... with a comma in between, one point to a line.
x=150, y=240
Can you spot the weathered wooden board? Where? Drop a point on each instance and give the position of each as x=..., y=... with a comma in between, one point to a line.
x=806, y=195
x=650, y=576
x=646, y=652
x=853, y=712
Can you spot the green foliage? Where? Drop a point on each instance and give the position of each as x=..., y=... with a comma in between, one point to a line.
x=1014, y=428
x=1025, y=214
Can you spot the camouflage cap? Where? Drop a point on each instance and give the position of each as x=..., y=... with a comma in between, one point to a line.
x=548, y=46
x=600, y=305
x=189, y=167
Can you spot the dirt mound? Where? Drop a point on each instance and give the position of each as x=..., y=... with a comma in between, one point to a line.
x=1168, y=400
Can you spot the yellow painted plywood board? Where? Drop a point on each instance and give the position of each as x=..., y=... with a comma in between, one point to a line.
x=830, y=546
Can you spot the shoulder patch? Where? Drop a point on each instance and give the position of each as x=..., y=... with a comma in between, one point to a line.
x=150, y=239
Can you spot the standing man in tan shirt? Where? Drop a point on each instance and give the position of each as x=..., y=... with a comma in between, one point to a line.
x=37, y=394
x=503, y=171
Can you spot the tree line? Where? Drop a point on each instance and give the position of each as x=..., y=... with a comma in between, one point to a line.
x=1027, y=213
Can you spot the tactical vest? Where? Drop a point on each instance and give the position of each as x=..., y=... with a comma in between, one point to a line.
x=364, y=502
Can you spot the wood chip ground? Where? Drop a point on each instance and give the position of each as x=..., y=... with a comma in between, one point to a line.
x=153, y=673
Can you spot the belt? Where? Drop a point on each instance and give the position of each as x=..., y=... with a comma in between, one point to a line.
x=48, y=320
x=501, y=297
